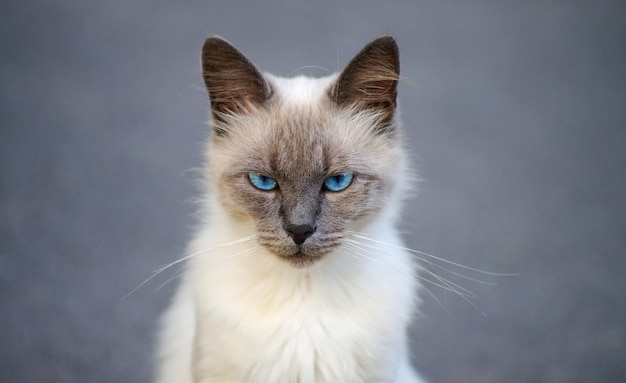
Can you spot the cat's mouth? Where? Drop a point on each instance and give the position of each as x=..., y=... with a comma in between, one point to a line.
x=300, y=256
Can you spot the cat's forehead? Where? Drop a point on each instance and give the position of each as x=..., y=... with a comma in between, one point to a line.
x=300, y=90
x=302, y=133
x=300, y=142
x=309, y=142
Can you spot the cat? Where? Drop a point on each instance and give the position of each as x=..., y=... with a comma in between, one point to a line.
x=297, y=272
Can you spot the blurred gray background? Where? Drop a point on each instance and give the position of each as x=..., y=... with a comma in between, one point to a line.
x=515, y=113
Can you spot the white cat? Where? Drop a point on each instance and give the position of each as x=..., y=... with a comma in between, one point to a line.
x=297, y=273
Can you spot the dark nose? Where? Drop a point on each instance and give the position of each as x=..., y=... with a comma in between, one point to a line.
x=300, y=233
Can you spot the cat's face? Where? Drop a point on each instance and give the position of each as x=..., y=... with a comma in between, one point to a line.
x=304, y=160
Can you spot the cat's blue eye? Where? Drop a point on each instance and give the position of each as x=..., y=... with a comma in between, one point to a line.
x=338, y=182
x=262, y=182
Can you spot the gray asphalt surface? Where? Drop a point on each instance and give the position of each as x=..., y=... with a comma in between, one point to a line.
x=515, y=112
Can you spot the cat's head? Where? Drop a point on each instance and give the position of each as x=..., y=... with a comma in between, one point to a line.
x=304, y=161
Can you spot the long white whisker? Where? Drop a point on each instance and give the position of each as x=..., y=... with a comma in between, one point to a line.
x=443, y=283
x=231, y=243
x=432, y=295
x=439, y=259
x=161, y=269
x=179, y=273
x=176, y=275
x=238, y=254
x=363, y=252
x=435, y=266
x=452, y=286
x=357, y=251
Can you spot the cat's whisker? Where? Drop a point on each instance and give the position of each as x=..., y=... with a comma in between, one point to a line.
x=232, y=256
x=462, y=292
x=161, y=269
x=450, y=285
x=434, y=297
x=363, y=254
x=417, y=255
x=359, y=251
x=179, y=273
x=459, y=290
x=443, y=283
x=431, y=256
x=197, y=253
x=440, y=281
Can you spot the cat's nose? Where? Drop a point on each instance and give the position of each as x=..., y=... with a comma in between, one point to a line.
x=300, y=233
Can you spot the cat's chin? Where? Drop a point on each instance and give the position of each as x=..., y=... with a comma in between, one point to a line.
x=301, y=259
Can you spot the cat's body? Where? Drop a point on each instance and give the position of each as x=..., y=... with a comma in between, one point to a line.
x=297, y=272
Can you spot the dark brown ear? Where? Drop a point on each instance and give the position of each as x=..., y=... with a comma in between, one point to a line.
x=370, y=80
x=233, y=82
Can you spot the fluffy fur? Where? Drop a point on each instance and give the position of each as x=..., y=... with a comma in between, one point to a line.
x=254, y=306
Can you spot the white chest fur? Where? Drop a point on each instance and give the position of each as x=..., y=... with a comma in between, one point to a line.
x=254, y=318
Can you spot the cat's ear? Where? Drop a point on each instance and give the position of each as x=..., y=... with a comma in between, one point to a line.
x=234, y=84
x=370, y=80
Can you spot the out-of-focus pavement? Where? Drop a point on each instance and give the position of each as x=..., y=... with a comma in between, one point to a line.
x=515, y=112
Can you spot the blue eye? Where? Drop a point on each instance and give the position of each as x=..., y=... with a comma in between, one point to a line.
x=262, y=182
x=338, y=182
